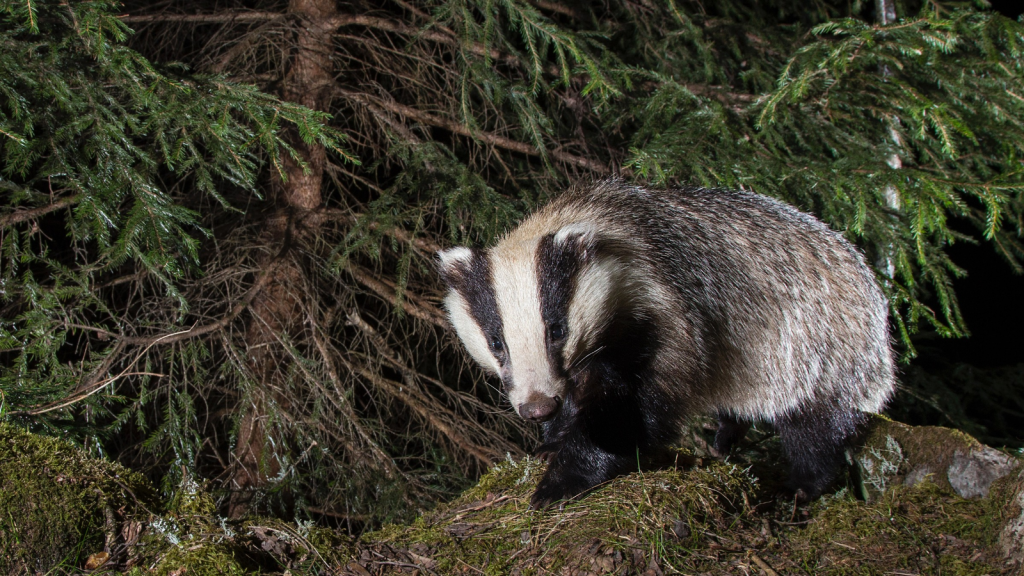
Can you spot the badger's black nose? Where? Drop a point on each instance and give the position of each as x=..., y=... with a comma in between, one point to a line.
x=540, y=408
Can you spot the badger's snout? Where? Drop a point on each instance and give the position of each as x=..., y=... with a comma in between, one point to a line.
x=540, y=408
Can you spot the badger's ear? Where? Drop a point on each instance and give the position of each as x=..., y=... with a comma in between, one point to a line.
x=579, y=238
x=454, y=264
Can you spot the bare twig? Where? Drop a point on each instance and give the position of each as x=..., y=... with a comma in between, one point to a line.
x=412, y=304
x=96, y=387
x=195, y=330
x=425, y=411
x=24, y=215
x=339, y=21
x=763, y=565
x=442, y=418
x=345, y=408
x=461, y=129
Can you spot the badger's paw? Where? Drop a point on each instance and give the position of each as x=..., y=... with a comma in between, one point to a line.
x=550, y=491
x=546, y=452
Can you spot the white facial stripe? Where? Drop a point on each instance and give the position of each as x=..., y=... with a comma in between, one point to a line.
x=514, y=269
x=596, y=286
x=470, y=333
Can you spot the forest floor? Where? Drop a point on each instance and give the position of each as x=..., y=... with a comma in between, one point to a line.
x=921, y=501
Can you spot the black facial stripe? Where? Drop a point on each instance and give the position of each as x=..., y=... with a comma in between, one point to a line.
x=474, y=282
x=557, y=269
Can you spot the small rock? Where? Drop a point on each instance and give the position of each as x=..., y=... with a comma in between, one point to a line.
x=971, y=474
x=681, y=529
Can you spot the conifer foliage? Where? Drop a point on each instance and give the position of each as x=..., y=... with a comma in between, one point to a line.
x=223, y=268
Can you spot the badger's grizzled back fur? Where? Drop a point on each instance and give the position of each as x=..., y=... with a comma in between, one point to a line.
x=616, y=311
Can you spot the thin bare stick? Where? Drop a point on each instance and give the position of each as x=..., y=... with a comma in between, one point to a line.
x=345, y=408
x=195, y=331
x=96, y=387
x=461, y=129
x=32, y=213
x=424, y=411
x=413, y=391
x=338, y=21
x=412, y=304
x=763, y=565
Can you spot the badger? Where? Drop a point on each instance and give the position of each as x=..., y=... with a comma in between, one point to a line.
x=616, y=312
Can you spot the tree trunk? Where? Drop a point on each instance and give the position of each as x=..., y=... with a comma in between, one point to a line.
x=279, y=310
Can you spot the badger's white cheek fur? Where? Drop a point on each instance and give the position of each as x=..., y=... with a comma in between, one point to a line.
x=589, y=308
x=470, y=333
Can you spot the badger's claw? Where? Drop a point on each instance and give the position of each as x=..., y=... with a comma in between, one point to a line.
x=550, y=491
x=546, y=452
x=544, y=497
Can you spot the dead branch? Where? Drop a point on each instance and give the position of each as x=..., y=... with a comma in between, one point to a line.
x=463, y=130
x=426, y=411
x=86, y=390
x=411, y=303
x=195, y=331
x=399, y=234
x=346, y=409
x=82, y=396
x=410, y=378
x=20, y=216
x=339, y=21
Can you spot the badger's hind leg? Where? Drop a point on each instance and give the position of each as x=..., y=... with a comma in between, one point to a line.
x=814, y=440
x=730, y=431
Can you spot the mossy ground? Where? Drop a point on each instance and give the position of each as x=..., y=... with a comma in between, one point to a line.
x=693, y=516
x=57, y=504
x=708, y=518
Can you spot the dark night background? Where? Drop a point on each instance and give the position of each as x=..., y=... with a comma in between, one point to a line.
x=991, y=301
x=991, y=296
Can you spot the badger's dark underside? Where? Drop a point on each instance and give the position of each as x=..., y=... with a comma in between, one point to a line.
x=627, y=425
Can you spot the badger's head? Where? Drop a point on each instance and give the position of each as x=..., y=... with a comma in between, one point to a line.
x=531, y=310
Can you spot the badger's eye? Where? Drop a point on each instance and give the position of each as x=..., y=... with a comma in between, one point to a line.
x=556, y=331
x=496, y=344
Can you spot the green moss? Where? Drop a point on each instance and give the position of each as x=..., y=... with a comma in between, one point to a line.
x=57, y=505
x=199, y=560
x=708, y=518
x=623, y=524
x=919, y=529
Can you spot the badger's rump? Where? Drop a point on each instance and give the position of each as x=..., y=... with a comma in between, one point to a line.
x=760, y=310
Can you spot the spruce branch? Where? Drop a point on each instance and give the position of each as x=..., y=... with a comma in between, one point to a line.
x=427, y=412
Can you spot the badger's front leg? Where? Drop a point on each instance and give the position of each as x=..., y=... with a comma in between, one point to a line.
x=591, y=441
x=578, y=465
